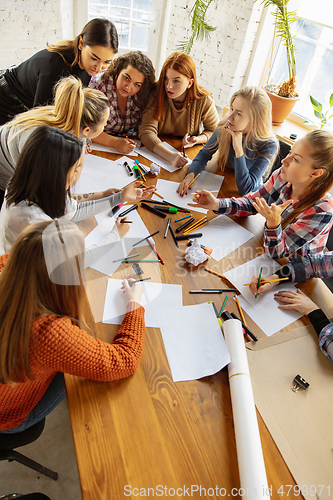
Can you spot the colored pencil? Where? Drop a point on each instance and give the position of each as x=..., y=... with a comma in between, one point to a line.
x=258, y=284
x=143, y=239
x=195, y=224
x=219, y=289
x=167, y=227
x=203, y=223
x=130, y=257
x=224, y=303
x=155, y=252
x=240, y=310
x=267, y=281
x=174, y=237
x=141, y=171
x=208, y=191
x=182, y=218
x=129, y=261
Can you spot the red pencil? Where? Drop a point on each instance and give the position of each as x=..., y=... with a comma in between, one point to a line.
x=155, y=251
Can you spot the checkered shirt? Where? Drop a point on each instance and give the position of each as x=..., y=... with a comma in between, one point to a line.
x=307, y=234
x=117, y=123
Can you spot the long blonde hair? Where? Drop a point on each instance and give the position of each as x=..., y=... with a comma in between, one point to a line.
x=74, y=108
x=260, y=109
x=321, y=142
x=31, y=286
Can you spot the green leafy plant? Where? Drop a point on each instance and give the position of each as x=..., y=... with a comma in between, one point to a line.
x=199, y=28
x=283, y=22
x=323, y=120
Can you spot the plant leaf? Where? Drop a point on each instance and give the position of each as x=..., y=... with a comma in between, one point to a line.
x=331, y=100
x=316, y=104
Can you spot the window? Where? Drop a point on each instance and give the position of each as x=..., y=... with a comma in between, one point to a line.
x=132, y=19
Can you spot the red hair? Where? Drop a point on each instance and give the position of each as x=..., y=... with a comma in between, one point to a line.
x=184, y=64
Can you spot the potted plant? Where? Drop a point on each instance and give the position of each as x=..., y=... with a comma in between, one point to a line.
x=284, y=96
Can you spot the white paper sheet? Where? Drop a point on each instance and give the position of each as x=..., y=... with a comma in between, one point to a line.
x=156, y=296
x=264, y=308
x=99, y=174
x=251, y=464
x=168, y=189
x=160, y=161
x=100, y=147
x=193, y=341
x=223, y=235
x=121, y=248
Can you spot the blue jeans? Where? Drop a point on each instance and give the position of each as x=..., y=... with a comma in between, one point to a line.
x=54, y=394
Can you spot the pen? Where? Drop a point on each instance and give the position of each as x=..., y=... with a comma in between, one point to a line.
x=125, y=212
x=227, y=315
x=128, y=168
x=136, y=171
x=170, y=210
x=183, y=151
x=247, y=330
x=167, y=227
x=143, y=239
x=258, y=284
x=205, y=291
x=174, y=237
x=134, y=255
x=173, y=205
x=153, y=210
x=188, y=236
x=180, y=228
x=219, y=289
x=138, y=281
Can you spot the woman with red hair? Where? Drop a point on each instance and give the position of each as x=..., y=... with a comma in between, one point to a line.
x=179, y=108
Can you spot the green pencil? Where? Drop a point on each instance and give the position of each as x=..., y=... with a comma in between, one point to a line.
x=224, y=302
x=256, y=295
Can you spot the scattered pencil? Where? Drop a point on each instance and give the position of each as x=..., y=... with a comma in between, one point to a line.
x=240, y=310
x=143, y=239
x=155, y=252
x=140, y=170
x=182, y=218
x=223, y=305
x=219, y=289
x=167, y=228
x=208, y=191
x=174, y=237
x=220, y=276
x=258, y=284
x=193, y=226
x=139, y=260
x=130, y=257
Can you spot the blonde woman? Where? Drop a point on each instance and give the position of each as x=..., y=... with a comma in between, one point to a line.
x=82, y=112
x=244, y=139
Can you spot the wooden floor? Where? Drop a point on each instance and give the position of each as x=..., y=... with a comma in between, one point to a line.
x=147, y=432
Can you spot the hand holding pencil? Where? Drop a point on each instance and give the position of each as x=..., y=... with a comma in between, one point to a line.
x=186, y=184
x=205, y=199
x=265, y=283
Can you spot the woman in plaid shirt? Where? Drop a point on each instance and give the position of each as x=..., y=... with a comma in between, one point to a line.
x=127, y=83
x=299, y=269
x=294, y=201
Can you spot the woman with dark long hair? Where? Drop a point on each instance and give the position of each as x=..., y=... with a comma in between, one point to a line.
x=31, y=82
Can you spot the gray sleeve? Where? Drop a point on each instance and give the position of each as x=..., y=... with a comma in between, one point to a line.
x=94, y=252
x=87, y=209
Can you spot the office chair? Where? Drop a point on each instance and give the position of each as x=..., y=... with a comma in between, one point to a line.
x=8, y=443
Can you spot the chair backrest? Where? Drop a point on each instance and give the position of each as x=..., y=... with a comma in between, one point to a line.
x=15, y=439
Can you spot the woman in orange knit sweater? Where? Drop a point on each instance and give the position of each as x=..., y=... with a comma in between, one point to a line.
x=41, y=321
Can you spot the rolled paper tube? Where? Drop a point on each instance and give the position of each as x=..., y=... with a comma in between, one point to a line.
x=252, y=472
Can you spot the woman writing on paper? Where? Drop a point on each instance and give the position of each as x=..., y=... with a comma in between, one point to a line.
x=50, y=163
x=294, y=201
x=31, y=83
x=180, y=108
x=43, y=329
x=300, y=269
x=79, y=111
x=127, y=83
x=244, y=140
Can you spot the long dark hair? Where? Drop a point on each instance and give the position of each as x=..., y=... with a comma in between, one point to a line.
x=141, y=63
x=41, y=174
x=96, y=32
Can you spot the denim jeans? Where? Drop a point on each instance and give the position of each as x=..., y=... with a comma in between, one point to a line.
x=54, y=394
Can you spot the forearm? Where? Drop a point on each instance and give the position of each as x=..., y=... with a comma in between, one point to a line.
x=87, y=209
x=240, y=207
x=88, y=196
x=96, y=251
x=201, y=139
x=163, y=152
x=107, y=140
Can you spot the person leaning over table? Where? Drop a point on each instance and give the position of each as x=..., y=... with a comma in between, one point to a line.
x=180, y=108
x=294, y=201
x=50, y=163
x=31, y=83
x=244, y=139
x=299, y=269
x=127, y=83
x=43, y=330
x=76, y=110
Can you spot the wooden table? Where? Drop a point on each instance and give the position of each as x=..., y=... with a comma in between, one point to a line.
x=148, y=432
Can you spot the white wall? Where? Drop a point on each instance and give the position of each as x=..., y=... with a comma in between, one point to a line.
x=222, y=61
x=27, y=25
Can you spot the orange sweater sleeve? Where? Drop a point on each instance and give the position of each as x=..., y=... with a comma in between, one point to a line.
x=64, y=347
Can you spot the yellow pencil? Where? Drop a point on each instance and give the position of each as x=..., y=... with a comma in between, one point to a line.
x=193, y=180
x=240, y=311
x=220, y=276
x=141, y=172
x=155, y=192
x=267, y=281
x=195, y=225
x=208, y=191
x=203, y=223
